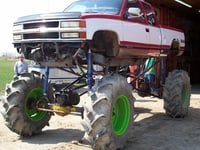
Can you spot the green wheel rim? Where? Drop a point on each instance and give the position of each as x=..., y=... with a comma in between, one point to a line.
x=33, y=96
x=121, y=115
x=185, y=97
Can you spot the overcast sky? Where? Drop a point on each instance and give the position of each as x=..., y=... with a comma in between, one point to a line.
x=10, y=10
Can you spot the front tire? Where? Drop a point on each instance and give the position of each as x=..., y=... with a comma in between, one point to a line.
x=176, y=93
x=108, y=113
x=21, y=94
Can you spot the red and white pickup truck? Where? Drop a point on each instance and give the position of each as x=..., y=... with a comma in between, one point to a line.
x=121, y=28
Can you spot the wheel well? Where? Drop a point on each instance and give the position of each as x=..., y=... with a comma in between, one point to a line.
x=105, y=42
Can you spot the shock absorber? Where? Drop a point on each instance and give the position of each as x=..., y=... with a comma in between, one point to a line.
x=163, y=70
x=46, y=78
x=89, y=70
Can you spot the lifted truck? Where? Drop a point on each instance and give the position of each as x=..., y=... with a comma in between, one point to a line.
x=102, y=39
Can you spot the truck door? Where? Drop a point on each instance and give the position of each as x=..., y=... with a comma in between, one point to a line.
x=135, y=30
x=153, y=27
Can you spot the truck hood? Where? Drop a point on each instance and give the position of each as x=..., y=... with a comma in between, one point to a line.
x=48, y=16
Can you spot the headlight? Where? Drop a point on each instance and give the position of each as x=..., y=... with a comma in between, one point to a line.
x=17, y=37
x=73, y=35
x=68, y=24
x=17, y=27
x=69, y=35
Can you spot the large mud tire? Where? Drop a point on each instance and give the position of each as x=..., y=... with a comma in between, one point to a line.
x=108, y=113
x=176, y=93
x=20, y=94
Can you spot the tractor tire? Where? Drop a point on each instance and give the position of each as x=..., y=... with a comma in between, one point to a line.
x=108, y=113
x=176, y=94
x=20, y=96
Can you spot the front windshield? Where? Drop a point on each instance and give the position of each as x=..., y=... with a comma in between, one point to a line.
x=95, y=6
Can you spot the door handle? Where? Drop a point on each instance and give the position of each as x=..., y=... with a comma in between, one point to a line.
x=147, y=29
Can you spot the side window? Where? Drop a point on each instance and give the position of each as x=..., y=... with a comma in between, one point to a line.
x=150, y=14
x=134, y=12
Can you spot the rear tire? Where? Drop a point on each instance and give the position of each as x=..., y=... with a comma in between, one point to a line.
x=176, y=93
x=108, y=114
x=17, y=110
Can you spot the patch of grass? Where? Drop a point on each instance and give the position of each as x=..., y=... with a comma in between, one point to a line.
x=6, y=72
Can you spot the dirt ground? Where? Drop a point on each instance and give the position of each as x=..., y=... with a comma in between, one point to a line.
x=153, y=130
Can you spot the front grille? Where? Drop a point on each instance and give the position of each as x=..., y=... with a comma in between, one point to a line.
x=53, y=24
x=49, y=35
x=45, y=30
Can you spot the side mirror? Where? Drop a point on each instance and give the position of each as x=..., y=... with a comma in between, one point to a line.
x=134, y=11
